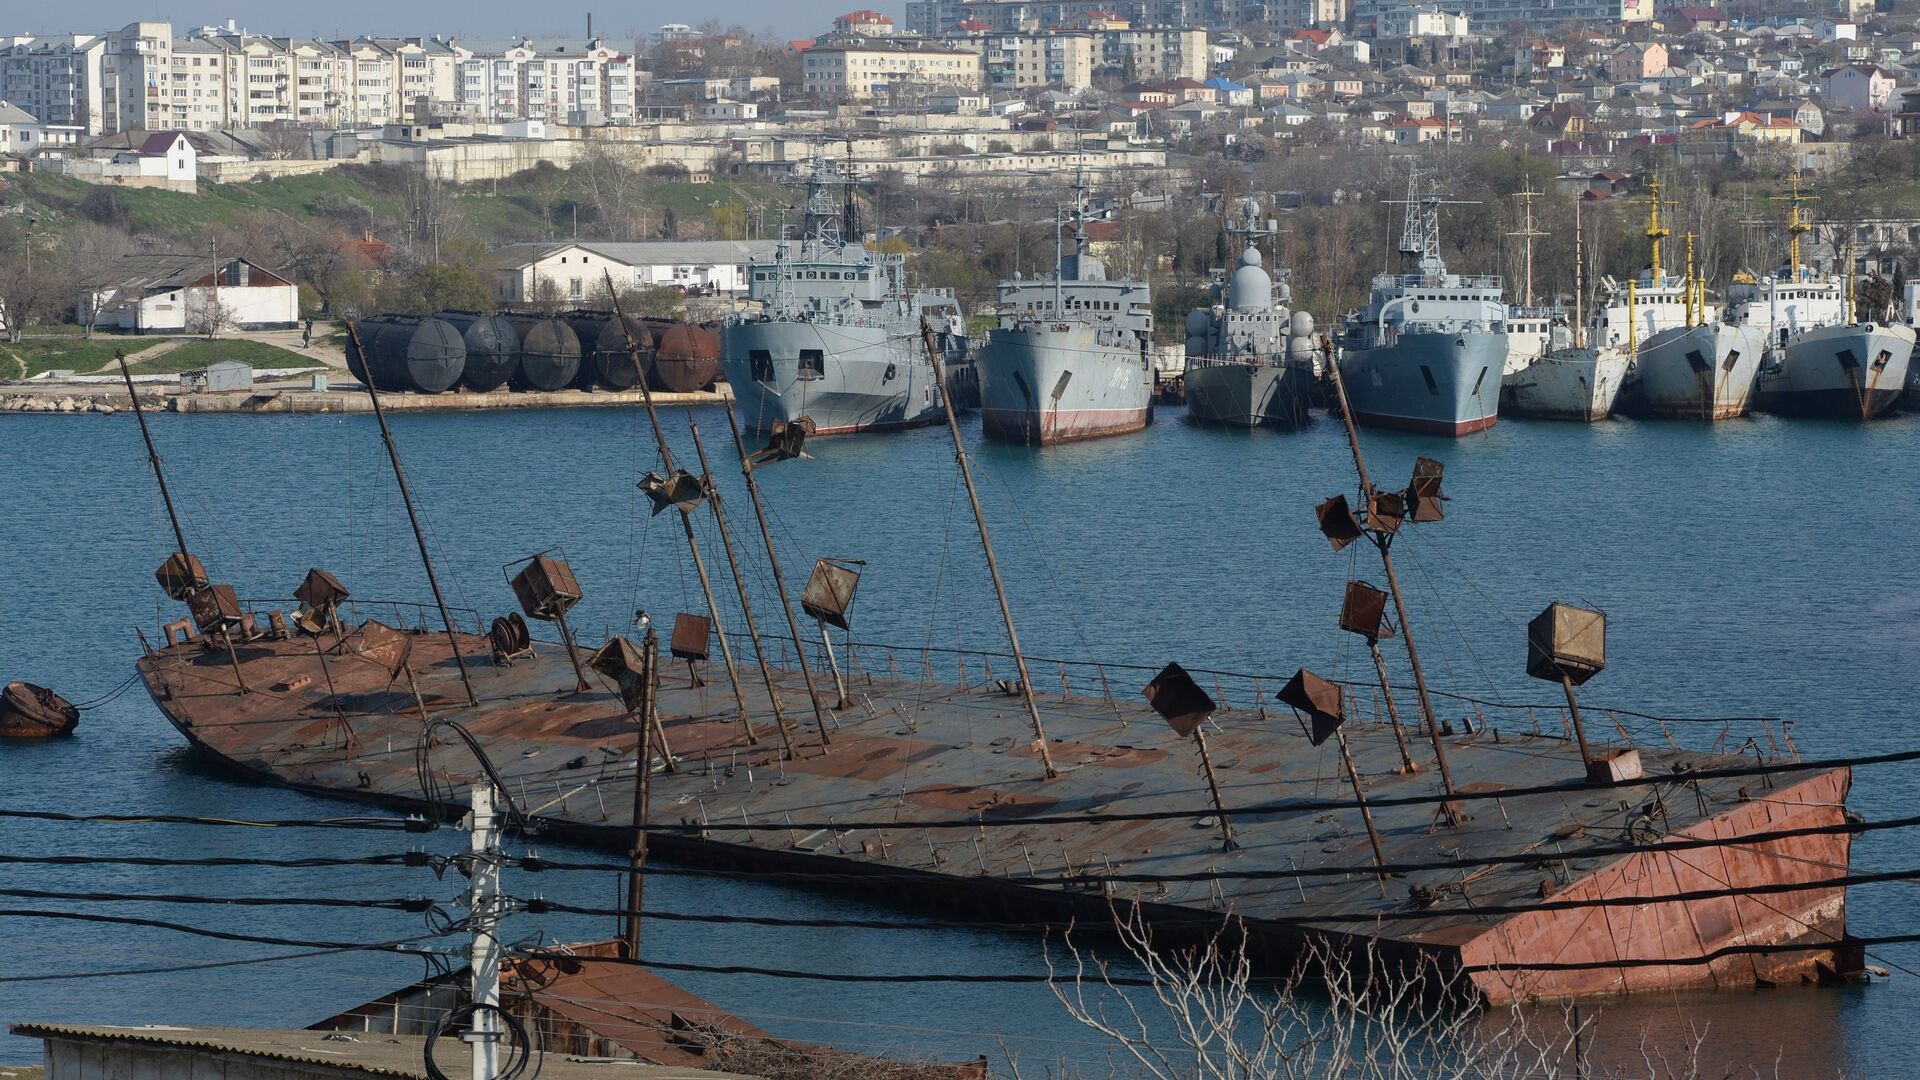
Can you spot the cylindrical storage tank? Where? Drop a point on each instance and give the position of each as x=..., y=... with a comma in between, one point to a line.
x=549, y=353
x=493, y=348
x=408, y=353
x=685, y=358
x=613, y=363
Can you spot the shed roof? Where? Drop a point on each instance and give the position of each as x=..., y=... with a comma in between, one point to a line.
x=398, y=1056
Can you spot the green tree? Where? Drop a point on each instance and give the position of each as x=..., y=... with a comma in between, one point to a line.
x=434, y=287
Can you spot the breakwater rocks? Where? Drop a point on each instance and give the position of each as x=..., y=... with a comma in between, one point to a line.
x=103, y=403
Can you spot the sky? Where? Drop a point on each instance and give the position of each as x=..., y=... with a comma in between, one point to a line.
x=413, y=18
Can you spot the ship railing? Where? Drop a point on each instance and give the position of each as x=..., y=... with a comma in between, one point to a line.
x=400, y=614
x=1247, y=698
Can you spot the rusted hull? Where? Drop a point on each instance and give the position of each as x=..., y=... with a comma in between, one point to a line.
x=1703, y=372
x=914, y=752
x=35, y=712
x=1061, y=425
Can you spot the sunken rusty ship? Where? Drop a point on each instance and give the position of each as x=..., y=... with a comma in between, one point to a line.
x=1528, y=862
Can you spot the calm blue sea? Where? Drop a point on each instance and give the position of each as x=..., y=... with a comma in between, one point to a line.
x=1760, y=567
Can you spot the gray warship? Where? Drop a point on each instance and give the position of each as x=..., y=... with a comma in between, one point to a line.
x=1250, y=360
x=1428, y=352
x=1818, y=362
x=1070, y=358
x=833, y=341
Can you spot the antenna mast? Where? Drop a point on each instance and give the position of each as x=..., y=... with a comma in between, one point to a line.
x=1656, y=232
x=986, y=544
x=413, y=516
x=1579, y=280
x=1526, y=196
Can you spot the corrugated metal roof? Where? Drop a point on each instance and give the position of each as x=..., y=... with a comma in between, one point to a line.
x=400, y=1056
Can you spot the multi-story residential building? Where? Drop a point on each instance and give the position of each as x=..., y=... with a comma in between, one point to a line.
x=857, y=70
x=54, y=77
x=934, y=18
x=1859, y=87
x=1497, y=13
x=1013, y=61
x=1422, y=21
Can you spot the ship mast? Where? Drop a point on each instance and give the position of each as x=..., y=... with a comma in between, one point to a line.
x=413, y=516
x=1655, y=231
x=986, y=544
x=686, y=511
x=1383, y=541
x=1579, y=280
x=1796, y=225
x=153, y=459
x=1526, y=195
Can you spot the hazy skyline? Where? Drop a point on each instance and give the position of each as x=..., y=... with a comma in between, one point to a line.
x=467, y=18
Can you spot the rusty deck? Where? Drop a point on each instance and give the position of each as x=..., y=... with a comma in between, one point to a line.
x=912, y=751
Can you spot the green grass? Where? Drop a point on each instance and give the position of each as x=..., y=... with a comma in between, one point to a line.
x=538, y=205
x=36, y=355
x=198, y=354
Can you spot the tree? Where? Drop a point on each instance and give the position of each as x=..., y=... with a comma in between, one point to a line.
x=1354, y=1015
x=212, y=316
x=609, y=178
x=435, y=287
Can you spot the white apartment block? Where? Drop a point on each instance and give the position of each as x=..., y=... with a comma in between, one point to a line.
x=1496, y=13
x=858, y=71
x=1422, y=21
x=144, y=77
x=1070, y=59
x=49, y=76
x=934, y=18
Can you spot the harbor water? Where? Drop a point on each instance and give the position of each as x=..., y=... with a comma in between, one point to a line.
x=1757, y=567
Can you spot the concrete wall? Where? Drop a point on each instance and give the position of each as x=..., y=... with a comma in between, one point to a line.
x=252, y=307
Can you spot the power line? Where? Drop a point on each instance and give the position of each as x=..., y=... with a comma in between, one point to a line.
x=408, y=824
x=415, y=904
x=181, y=969
x=405, y=859
x=536, y=864
x=1415, y=913
x=1021, y=977
x=200, y=931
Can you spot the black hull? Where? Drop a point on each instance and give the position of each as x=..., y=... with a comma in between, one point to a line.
x=1841, y=404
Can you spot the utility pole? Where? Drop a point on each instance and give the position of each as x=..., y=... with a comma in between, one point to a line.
x=483, y=904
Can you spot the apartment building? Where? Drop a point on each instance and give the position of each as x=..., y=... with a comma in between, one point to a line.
x=858, y=70
x=142, y=76
x=934, y=18
x=49, y=76
x=1017, y=61
x=1498, y=13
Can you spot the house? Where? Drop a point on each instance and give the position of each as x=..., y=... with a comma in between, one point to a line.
x=167, y=154
x=1762, y=127
x=1404, y=131
x=1638, y=60
x=21, y=133
x=1227, y=92
x=184, y=294
x=1858, y=87
x=574, y=271
x=1687, y=20
x=868, y=23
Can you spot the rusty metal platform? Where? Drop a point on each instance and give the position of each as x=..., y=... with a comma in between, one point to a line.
x=911, y=750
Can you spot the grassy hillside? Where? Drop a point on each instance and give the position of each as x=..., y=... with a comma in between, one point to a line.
x=538, y=204
x=199, y=353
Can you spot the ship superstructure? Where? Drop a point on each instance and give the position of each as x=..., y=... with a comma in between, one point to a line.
x=1428, y=351
x=1250, y=357
x=835, y=340
x=1070, y=358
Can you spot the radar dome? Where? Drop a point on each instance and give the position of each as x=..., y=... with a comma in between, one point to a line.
x=1252, y=289
x=1198, y=323
x=1302, y=324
